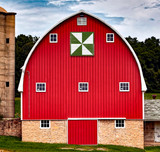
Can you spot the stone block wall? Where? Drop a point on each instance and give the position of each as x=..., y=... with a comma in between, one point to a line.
x=57, y=133
x=132, y=135
x=10, y=127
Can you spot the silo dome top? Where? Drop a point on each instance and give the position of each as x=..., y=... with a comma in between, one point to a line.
x=3, y=10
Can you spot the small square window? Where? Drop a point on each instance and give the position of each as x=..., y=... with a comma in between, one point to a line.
x=7, y=40
x=81, y=21
x=7, y=84
x=40, y=87
x=83, y=87
x=44, y=124
x=124, y=86
x=53, y=38
x=110, y=37
x=119, y=124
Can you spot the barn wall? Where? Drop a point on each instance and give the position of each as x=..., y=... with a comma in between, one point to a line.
x=111, y=64
x=132, y=135
x=32, y=132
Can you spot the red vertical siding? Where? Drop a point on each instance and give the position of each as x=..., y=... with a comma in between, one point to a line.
x=111, y=64
x=82, y=132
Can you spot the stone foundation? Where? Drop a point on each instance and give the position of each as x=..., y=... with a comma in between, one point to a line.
x=10, y=127
x=132, y=135
x=57, y=133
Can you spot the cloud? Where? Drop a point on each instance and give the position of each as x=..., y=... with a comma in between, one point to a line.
x=134, y=19
x=137, y=18
x=63, y=2
x=68, y=2
x=152, y=19
x=34, y=20
x=57, y=2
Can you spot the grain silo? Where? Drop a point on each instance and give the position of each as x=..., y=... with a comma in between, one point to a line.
x=7, y=63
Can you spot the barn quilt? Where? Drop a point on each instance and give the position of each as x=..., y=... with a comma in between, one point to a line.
x=82, y=44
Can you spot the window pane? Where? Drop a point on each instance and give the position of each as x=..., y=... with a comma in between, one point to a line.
x=119, y=123
x=81, y=21
x=44, y=123
x=83, y=87
x=53, y=37
x=41, y=87
x=110, y=37
x=124, y=86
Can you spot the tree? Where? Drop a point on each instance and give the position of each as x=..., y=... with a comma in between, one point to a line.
x=23, y=46
x=148, y=53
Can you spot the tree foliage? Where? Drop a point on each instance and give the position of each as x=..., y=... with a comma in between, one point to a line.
x=23, y=46
x=148, y=53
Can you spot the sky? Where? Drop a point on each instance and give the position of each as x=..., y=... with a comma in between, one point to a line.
x=135, y=18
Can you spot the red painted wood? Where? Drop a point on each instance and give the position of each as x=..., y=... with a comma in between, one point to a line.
x=82, y=132
x=111, y=64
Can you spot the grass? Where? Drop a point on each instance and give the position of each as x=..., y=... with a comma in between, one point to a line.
x=15, y=144
x=149, y=95
x=17, y=107
x=152, y=149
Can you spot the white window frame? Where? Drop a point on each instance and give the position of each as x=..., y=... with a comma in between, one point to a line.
x=50, y=38
x=118, y=120
x=80, y=19
x=124, y=90
x=83, y=90
x=45, y=127
x=107, y=37
x=40, y=83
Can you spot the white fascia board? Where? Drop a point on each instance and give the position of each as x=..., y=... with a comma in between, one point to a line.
x=143, y=84
x=20, y=86
x=96, y=118
x=21, y=105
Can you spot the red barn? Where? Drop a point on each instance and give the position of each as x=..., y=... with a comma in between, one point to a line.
x=82, y=83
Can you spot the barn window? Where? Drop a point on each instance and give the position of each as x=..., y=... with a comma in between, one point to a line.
x=110, y=37
x=7, y=84
x=81, y=21
x=83, y=87
x=7, y=40
x=44, y=124
x=124, y=86
x=119, y=123
x=53, y=38
x=40, y=87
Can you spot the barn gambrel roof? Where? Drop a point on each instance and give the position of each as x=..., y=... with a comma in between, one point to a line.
x=143, y=84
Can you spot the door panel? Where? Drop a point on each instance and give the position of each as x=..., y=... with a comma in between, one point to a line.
x=82, y=132
x=157, y=131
